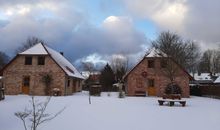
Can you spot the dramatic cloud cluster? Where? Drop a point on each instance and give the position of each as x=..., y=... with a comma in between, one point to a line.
x=195, y=19
x=67, y=29
x=95, y=30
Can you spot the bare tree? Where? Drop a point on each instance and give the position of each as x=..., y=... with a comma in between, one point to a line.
x=36, y=115
x=181, y=51
x=193, y=56
x=88, y=66
x=205, y=62
x=119, y=64
x=178, y=53
x=210, y=62
x=31, y=41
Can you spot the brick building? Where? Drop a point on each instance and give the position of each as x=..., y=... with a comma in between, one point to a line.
x=24, y=74
x=149, y=77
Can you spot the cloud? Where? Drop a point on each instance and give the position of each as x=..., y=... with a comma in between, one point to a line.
x=42, y=19
x=115, y=35
x=195, y=19
x=166, y=14
x=67, y=29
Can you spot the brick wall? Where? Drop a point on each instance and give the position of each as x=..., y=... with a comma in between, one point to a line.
x=14, y=73
x=156, y=73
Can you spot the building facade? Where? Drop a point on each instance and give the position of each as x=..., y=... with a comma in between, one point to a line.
x=149, y=77
x=30, y=71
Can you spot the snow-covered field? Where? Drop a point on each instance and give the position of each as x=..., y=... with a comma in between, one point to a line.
x=112, y=113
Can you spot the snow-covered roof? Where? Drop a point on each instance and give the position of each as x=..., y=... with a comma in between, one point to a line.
x=155, y=53
x=41, y=49
x=38, y=49
x=217, y=80
x=202, y=76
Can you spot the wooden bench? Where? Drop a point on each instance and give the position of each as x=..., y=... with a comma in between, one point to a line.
x=140, y=93
x=171, y=102
x=172, y=96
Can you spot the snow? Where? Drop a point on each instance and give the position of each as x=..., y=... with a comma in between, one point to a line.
x=155, y=53
x=202, y=76
x=37, y=49
x=64, y=63
x=113, y=113
x=217, y=80
x=41, y=49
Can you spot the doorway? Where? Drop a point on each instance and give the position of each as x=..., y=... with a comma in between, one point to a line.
x=26, y=85
x=151, y=90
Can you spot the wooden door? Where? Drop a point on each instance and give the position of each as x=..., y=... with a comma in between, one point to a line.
x=74, y=86
x=26, y=85
x=151, y=90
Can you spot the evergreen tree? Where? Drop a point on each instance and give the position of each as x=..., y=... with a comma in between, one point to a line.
x=4, y=59
x=107, y=78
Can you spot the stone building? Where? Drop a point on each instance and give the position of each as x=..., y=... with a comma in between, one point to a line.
x=149, y=76
x=29, y=72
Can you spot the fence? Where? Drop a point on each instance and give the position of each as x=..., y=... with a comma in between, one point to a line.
x=212, y=90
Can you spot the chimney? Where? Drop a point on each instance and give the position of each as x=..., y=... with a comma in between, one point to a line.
x=61, y=53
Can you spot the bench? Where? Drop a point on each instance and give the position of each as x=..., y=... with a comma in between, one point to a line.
x=171, y=102
x=172, y=96
x=140, y=93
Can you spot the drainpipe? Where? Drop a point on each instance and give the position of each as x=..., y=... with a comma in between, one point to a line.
x=65, y=85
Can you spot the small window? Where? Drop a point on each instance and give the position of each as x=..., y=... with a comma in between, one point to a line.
x=70, y=70
x=26, y=81
x=139, y=83
x=28, y=60
x=151, y=82
x=150, y=63
x=163, y=63
x=41, y=60
x=68, y=82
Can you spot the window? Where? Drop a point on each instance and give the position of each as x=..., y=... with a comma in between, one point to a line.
x=41, y=60
x=26, y=81
x=163, y=63
x=28, y=60
x=150, y=63
x=151, y=82
x=70, y=70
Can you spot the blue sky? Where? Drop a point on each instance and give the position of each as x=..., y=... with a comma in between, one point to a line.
x=95, y=30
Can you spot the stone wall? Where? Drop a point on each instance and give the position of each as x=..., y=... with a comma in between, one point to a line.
x=74, y=86
x=16, y=70
x=158, y=74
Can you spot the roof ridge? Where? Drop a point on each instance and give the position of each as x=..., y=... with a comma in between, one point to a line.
x=35, y=50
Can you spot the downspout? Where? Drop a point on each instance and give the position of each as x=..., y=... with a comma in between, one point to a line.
x=65, y=85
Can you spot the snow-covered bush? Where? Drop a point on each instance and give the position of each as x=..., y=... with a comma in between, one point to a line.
x=173, y=89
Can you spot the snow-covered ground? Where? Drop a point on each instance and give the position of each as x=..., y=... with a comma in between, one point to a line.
x=112, y=113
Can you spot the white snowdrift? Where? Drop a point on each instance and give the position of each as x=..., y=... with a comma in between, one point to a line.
x=112, y=113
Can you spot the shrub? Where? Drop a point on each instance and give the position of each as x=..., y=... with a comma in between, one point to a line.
x=173, y=88
x=121, y=94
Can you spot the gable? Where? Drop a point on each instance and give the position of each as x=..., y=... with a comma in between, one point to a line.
x=59, y=60
x=144, y=62
x=18, y=65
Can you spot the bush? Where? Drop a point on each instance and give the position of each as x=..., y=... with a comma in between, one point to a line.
x=173, y=89
x=121, y=94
